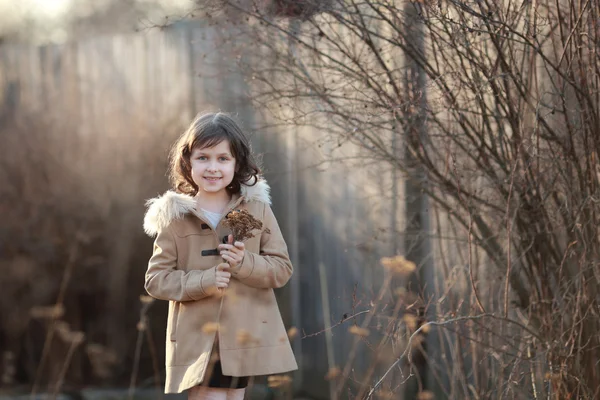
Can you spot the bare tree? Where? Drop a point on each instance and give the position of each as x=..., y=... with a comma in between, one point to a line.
x=508, y=95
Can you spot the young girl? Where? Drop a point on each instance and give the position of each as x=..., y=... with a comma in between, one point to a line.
x=224, y=323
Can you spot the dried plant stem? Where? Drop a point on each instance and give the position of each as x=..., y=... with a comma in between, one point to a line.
x=136, y=362
x=380, y=348
x=469, y=235
x=65, y=367
x=155, y=366
x=327, y=323
x=508, y=235
x=535, y=396
x=73, y=253
x=349, y=318
x=349, y=362
x=406, y=353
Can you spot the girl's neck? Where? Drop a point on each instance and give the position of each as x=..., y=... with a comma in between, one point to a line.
x=215, y=202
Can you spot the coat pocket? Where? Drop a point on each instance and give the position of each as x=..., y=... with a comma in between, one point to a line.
x=173, y=321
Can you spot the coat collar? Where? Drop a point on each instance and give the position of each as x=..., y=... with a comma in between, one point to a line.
x=172, y=205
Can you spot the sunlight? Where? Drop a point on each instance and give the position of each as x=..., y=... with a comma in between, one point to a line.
x=49, y=8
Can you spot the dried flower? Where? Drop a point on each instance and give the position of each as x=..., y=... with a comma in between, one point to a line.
x=8, y=367
x=292, y=332
x=232, y=296
x=333, y=373
x=358, y=331
x=146, y=299
x=279, y=380
x=398, y=265
x=244, y=337
x=242, y=223
x=102, y=360
x=210, y=327
x=385, y=394
x=63, y=330
x=411, y=321
x=425, y=395
x=417, y=340
x=77, y=338
x=49, y=312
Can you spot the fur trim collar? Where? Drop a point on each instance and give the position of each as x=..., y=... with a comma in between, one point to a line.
x=172, y=205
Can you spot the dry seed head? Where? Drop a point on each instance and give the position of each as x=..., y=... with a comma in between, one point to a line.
x=411, y=321
x=98, y=350
x=242, y=223
x=8, y=367
x=552, y=376
x=358, y=331
x=398, y=265
x=333, y=373
x=210, y=327
x=146, y=299
x=292, y=332
x=77, y=338
x=49, y=312
x=62, y=330
x=279, y=380
x=417, y=340
x=244, y=337
x=425, y=395
x=214, y=291
x=548, y=375
x=101, y=356
x=384, y=394
x=231, y=295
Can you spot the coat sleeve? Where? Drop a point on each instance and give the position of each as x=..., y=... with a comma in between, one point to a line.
x=271, y=268
x=165, y=282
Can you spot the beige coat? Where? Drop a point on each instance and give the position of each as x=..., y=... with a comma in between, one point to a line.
x=252, y=339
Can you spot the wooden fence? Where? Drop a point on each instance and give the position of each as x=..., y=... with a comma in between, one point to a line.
x=128, y=95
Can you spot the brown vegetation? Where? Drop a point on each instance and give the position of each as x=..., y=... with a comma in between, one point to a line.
x=64, y=317
x=491, y=112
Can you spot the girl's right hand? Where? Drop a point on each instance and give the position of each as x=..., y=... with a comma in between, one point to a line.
x=223, y=275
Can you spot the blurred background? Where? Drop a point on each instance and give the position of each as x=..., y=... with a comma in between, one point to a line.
x=92, y=94
x=434, y=169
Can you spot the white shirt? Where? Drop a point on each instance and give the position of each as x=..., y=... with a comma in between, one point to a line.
x=212, y=217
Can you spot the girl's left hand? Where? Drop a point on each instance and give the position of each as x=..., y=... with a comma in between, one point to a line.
x=233, y=253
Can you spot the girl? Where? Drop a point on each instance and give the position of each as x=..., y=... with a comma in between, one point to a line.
x=224, y=323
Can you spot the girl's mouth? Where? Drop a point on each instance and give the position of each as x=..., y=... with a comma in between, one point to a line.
x=211, y=179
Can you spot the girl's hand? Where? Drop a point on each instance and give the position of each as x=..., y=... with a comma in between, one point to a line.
x=222, y=276
x=233, y=253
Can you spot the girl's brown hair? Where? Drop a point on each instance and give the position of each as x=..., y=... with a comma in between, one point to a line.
x=208, y=130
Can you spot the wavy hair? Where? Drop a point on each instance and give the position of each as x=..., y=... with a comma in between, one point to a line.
x=208, y=130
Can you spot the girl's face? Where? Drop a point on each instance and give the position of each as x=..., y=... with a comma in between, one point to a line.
x=213, y=168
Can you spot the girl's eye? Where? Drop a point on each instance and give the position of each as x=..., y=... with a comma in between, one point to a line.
x=224, y=158
x=202, y=158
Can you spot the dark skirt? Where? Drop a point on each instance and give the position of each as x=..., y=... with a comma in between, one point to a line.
x=218, y=380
